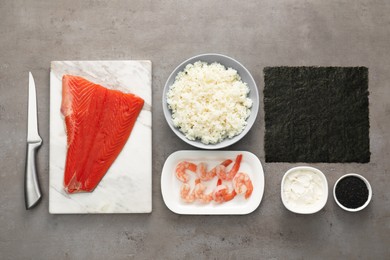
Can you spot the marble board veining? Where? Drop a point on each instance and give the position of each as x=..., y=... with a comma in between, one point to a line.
x=127, y=186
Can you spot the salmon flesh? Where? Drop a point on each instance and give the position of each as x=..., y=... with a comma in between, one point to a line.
x=98, y=124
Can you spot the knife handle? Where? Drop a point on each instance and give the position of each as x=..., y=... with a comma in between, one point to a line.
x=32, y=191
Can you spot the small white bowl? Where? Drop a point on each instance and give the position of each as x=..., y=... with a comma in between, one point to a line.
x=368, y=187
x=306, y=209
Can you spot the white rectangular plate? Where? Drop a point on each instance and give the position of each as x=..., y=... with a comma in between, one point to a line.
x=127, y=185
x=170, y=185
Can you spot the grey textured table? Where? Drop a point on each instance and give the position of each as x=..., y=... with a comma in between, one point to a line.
x=257, y=33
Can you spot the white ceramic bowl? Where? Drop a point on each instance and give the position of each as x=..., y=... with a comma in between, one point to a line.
x=245, y=77
x=309, y=209
x=368, y=187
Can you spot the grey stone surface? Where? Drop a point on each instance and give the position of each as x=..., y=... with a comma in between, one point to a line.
x=258, y=34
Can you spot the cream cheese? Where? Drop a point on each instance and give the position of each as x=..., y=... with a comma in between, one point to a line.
x=303, y=188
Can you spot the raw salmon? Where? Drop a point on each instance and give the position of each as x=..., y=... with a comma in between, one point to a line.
x=98, y=123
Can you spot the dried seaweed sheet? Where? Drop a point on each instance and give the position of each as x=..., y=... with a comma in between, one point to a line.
x=316, y=114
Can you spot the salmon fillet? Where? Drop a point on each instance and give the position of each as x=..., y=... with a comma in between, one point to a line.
x=98, y=123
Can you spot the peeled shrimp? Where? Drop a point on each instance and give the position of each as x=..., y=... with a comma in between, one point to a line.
x=199, y=191
x=222, y=194
x=181, y=170
x=205, y=175
x=186, y=194
x=228, y=176
x=243, y=184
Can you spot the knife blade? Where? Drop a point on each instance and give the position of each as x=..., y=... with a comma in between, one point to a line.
x=32, y=191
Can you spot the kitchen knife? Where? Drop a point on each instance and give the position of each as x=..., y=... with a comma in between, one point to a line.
x=31, y=185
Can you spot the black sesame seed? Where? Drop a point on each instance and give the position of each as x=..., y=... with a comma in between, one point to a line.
x=352, y=192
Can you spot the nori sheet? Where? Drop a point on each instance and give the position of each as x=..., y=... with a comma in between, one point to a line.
x=316, y=114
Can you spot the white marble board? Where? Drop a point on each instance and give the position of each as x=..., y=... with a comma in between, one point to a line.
x=127, y=186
